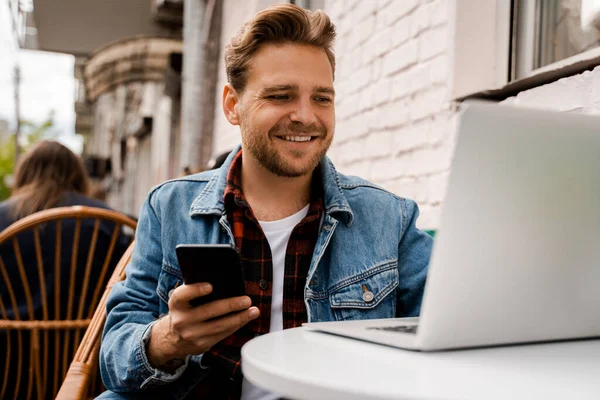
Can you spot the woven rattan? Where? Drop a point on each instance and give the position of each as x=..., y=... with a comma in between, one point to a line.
x=33, y=336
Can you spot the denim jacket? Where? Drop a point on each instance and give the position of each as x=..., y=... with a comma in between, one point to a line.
x=367, y=242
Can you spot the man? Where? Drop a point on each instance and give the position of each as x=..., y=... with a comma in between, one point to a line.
x=316, y=245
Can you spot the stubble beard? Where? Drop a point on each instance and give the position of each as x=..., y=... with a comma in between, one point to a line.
x=259, y=147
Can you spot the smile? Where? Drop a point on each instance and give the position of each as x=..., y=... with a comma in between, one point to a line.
x=297, y=138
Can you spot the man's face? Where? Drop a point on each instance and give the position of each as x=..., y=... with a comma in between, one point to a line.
x=287, y=111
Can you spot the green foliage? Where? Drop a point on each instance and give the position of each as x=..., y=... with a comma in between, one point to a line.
x=7, y=160
x=30, y=133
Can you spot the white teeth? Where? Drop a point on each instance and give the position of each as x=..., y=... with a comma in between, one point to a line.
x=297, y=138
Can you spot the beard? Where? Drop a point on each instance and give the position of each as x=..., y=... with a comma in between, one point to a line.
x=261, y=148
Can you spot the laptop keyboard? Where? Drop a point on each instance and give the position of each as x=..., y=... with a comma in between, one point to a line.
x=400, y=328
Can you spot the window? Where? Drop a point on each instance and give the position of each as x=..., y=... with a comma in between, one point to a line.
x=502, y=47
x=553, y=33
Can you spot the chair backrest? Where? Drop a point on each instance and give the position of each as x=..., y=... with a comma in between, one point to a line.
x=83, y=379
x=53, y=266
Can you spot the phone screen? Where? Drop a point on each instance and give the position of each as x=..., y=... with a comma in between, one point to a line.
x=217, y=264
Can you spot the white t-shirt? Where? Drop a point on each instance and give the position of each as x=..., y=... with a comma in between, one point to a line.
x=278, y=235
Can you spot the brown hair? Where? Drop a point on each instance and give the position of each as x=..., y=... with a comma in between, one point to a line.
x=281, y=23
x=43, y=175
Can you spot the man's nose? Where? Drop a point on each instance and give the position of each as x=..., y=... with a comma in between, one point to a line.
x=303, y=112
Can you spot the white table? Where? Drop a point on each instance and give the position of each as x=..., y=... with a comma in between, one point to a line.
x=302, y=364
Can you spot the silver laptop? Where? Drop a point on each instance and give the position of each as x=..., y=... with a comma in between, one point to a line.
x=517, y=255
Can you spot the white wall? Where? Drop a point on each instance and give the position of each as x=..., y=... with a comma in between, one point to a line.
x=395, y=123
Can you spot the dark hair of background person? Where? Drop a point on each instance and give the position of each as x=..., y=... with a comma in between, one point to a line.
x=43, y=175
x=220, y=160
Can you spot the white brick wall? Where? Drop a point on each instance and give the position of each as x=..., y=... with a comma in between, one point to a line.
x=395, y=126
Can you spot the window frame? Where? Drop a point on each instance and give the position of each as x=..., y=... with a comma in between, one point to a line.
x=525, y=50
x=487, y=36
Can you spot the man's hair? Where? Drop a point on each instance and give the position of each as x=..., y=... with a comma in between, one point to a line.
x=43, y=175
x=279, y=24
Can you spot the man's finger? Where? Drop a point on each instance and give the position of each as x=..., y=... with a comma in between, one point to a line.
x=222, y=327
x=206, y=334
x=182, y=295
x=222, y=307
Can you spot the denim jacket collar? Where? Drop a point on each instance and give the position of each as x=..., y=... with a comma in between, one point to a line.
x=210, y=200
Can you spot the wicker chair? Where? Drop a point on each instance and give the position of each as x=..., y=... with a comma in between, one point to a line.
x=45, y=339
x=83, y=379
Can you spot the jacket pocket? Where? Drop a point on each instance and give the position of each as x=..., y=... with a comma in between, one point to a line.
x=368, y=295
x=168, y=280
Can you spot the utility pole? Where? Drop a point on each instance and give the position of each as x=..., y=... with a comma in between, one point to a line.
x=197, y=97
x=192, y=115
x=17, y=83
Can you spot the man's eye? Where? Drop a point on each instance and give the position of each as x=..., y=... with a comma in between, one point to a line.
x=324, y=100
x=278, y=97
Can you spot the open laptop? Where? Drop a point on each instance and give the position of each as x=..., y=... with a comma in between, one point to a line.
x=517, y=255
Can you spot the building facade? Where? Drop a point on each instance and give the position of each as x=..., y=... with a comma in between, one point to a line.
x=130, y=141
x=403, y=69
x=127, y=73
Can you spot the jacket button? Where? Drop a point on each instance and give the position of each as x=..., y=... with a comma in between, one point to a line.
x=263, y=284
x=368, y=296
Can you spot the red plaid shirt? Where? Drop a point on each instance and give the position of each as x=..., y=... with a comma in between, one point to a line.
x=225, y=357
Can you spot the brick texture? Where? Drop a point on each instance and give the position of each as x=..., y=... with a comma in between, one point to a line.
x=395, y=125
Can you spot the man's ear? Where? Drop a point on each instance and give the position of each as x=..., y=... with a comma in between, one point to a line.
x=230, y=104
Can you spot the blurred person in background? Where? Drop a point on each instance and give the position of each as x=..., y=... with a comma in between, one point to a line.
x=50, y=175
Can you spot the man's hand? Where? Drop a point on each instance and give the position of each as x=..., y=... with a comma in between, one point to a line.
x=188, y=330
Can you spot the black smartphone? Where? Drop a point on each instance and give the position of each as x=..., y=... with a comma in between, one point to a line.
x=217, y=264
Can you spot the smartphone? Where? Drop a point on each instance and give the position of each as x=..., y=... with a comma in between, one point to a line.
x=217, y=264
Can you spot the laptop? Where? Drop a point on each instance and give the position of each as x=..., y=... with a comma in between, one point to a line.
x=517, y=255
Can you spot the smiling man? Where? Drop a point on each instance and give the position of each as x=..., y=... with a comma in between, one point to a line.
x=315, y=245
